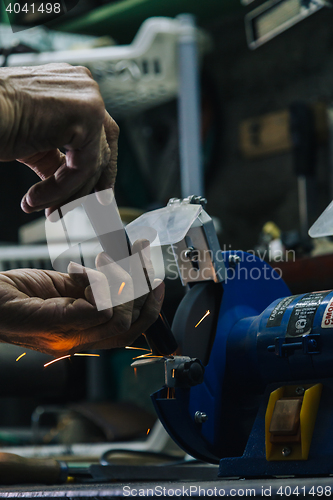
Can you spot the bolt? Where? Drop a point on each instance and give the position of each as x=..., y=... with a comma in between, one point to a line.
x=192, y=254
x=200, y=417
x=234, y=259
x=197, y=200
x=300, y=391
x=286, y=451
x=313, y=343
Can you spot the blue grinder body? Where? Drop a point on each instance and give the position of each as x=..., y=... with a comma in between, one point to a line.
x=263, y=338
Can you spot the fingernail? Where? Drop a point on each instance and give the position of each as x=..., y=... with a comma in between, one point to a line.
x=105, y=197
x=74, y=267
x=103, y=259
x=24, y=204
x=106, y=257
x=159, y=292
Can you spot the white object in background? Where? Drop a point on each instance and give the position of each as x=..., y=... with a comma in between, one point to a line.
x=275, y=249
x=324, y=224
x=131, y=77
x=42, y=39
x=77, y=224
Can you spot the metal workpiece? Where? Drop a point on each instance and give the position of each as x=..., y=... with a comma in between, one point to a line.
x=113, y=238
x=198, y=255
x=183, y=371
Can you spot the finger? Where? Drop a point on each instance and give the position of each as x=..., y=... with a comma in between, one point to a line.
x=121, y=291
x=108, y=176
x=44, y=164
x=149, y=314
x=120, y=282
x=81, y=165
x=68, y=315
x=81, y=193
x=96, y=286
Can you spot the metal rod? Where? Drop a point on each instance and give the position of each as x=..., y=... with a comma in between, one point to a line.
x=191, y=172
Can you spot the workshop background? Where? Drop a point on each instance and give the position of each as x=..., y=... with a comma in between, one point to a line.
x=244, y=189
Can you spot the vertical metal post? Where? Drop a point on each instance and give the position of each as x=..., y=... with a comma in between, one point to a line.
x=189, y=120
x=330, y=127
x=303, y=206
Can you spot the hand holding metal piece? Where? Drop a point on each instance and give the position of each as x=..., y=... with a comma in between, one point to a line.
x=117, y=245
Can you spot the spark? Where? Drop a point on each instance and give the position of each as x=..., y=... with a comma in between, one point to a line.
x=171, y=393
x=121, y=288
x=148, y=431
x=84, y=354
x=135, y=372
x=203, y=317
x=21, y=356
x=149, y=355
x=57, y=359
x=137, y=348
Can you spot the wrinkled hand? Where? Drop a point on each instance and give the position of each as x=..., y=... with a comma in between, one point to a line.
x=44, y=108
x=56, y=313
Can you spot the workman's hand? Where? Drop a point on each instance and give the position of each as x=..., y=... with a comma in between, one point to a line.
x=56, y=313
x=54, y=106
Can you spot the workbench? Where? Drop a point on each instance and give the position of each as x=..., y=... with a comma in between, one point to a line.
x=256, y=488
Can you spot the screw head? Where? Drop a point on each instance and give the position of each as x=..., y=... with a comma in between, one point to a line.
x=300, y=391
x=234, y=259
x=200, y=417
x=313, y=343
x=286, y=451
x=192, y=254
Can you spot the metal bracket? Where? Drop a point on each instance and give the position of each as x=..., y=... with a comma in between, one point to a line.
x=285, y=346
x=183, y=371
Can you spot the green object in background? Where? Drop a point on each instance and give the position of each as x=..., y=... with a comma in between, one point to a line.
x=122, y=19
x=3, y=14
